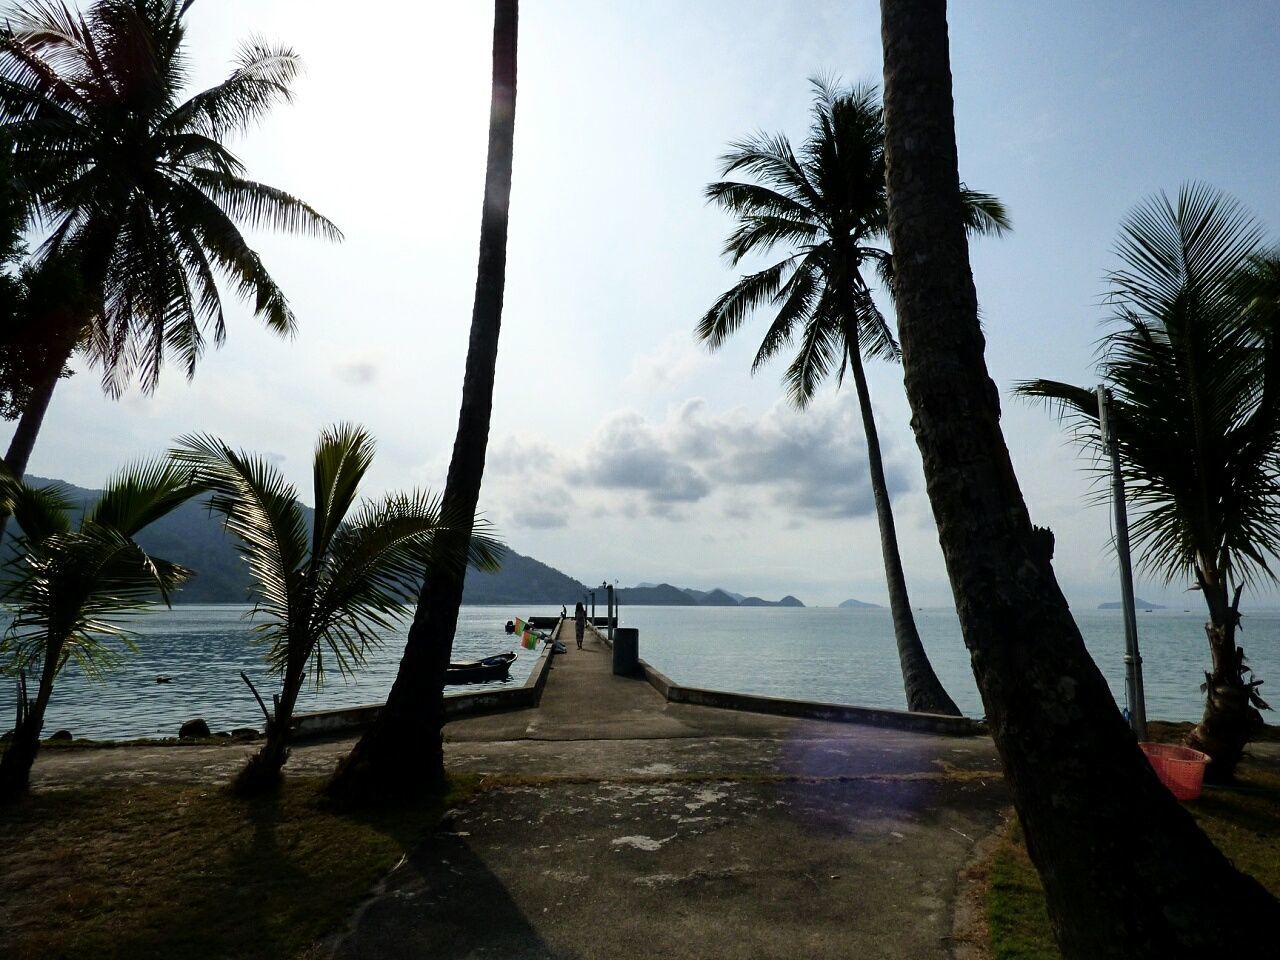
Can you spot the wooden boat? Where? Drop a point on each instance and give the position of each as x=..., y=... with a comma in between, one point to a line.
x=487, y=670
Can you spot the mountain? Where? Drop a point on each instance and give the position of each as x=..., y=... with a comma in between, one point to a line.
x=521, y=580
x=660, y=595
x=1137, y=602
x=858, y=605
x=787, y=601
x=193, y=538
x=714, y=598
x=665, y=595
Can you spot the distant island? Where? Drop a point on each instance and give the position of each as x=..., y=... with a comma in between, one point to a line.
x=852, y=604
x=1137, y=602
x=665, y=595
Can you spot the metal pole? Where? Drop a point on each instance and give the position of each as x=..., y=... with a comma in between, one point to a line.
x=1132, y=658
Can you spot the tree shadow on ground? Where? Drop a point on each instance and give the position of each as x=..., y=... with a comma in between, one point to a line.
x=443, y=902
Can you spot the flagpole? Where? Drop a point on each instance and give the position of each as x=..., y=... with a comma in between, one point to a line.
x=1132, y=657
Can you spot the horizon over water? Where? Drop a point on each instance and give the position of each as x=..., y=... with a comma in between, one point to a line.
x=812, y=653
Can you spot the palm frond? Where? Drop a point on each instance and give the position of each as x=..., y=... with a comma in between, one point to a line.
x=262, y=206
x=142, y=493
x=797, y=297
x=342, y=457
x=772, y=160
x=821, y=348
x=984, y=214
x=736, y=304
x=260, y=508
x=263, y=77
x=73, y=591
x=42, y=512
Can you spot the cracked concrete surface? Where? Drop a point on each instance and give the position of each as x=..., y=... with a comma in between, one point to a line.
x=614, y=824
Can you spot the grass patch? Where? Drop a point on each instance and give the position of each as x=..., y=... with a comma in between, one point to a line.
x=1016, y=913
x=1242, y=820
x=187, y=871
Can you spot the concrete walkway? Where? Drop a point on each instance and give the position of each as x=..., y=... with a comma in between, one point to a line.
x=620, y=825
x=647, y=829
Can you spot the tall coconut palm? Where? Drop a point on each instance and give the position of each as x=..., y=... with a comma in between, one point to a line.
x=325, y=595
x=826, y=207
x=136, y=187
x=1126, y=871
x=73, y=589
x=1193, y=365
x=403, y=750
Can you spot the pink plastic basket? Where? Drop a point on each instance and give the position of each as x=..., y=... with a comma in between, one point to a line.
x=1181, y=769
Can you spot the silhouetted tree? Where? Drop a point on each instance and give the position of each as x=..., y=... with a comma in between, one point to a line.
x=404, y=748
x=1127, y=873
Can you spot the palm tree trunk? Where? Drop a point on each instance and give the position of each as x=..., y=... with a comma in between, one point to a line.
x=925, y=693
x=261, y=773
x=16, y=763
x=1126, y=871
x=1230, y=719
x=24, y=436
x=404, y=748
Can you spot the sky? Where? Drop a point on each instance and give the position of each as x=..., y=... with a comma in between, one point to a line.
x=620, y=449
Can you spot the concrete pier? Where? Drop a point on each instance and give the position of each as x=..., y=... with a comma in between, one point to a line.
x=639, y=827
x=614, y=821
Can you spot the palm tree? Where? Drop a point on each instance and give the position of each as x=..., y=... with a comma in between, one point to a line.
x=135, y=187
x=1126, y=871
x=71, y=589
x=826, y=207
x=323, y=595
x=1192, y=366
x=403, y=750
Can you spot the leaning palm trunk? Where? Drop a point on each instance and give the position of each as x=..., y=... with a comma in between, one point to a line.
x=24, y=437
x=16, y=763
x=925, y=693
x=1127, y=873
x=1230, y=719
x=23, y=441
x=404, y=748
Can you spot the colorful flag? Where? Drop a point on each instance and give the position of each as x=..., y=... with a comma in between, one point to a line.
x=529, y=639
x=520, y=626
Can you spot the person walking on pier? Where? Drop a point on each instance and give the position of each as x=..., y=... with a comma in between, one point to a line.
x=579, y=622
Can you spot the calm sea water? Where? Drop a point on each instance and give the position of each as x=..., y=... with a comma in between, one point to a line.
x=836, y=656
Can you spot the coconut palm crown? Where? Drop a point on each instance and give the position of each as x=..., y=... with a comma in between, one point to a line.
x=827, y=207
x=1193, y=365
x=324, y=593
x=73, y=588
x=134, y=183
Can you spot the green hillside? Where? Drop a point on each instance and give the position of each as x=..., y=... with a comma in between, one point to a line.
x=193, y=538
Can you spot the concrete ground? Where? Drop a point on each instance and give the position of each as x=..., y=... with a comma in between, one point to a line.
x=619, y=825
x=647, y=829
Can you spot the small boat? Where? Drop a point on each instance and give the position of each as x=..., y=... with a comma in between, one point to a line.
x=487, y=670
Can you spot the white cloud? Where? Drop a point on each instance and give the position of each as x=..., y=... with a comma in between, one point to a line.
x=809, y=464
x=672, y=363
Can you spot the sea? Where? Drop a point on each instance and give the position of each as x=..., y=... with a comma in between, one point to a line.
x=815, y=653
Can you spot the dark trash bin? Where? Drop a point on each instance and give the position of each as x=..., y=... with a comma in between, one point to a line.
x=626, y=651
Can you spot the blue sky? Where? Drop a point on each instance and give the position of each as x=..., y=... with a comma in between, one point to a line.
x=620, y=449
